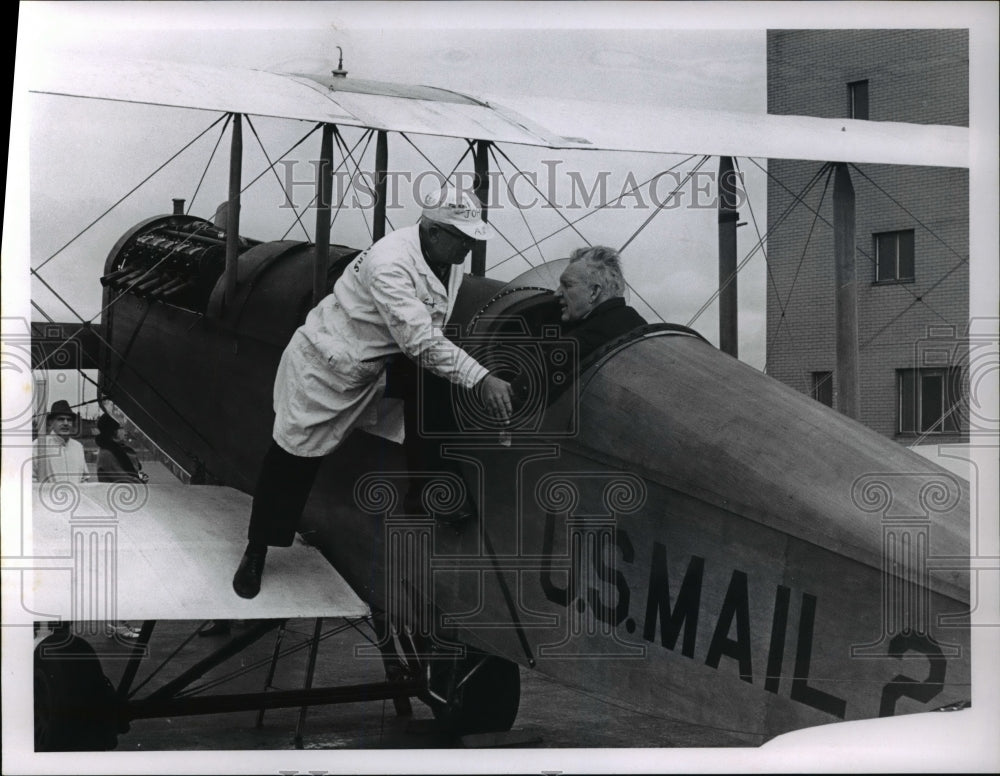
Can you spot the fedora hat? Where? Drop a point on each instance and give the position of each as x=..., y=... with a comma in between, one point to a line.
x=61, y=407
x=107, y=425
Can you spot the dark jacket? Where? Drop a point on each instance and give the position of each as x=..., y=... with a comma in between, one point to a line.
x=117, y=462
x=606, y=322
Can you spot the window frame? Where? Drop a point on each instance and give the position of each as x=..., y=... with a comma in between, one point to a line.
x=853, y=90
x=910, y=409
x=897, y=277
x=822, y=381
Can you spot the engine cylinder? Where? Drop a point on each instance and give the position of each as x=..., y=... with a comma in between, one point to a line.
x=181, y=254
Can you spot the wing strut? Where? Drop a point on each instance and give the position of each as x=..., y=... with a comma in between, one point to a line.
x=381, y=174
x=233, y=211
x=324, y=189
x=482, y=165
x=728, y=216
x=848, y=392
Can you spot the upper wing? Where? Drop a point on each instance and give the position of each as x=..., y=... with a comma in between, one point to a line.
x=570, y=124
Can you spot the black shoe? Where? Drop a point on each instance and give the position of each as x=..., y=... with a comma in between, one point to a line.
x=217, y=628
x=246, y=581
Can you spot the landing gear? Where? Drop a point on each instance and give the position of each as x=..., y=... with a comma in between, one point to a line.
x=477, y=693
x=75, y=704
x=472, y=693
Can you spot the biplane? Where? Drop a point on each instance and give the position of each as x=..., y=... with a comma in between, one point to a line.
x=675, y=531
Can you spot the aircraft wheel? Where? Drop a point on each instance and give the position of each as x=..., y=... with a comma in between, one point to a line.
x=481, y=693
x=75, y=704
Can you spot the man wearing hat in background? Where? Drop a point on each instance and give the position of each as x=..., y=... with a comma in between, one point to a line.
x=393, y=298
x=116, y=461
x=57, y=456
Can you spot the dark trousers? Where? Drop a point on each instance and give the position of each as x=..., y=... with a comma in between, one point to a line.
x=285, y=480
x=428, y=420
x=283, y=488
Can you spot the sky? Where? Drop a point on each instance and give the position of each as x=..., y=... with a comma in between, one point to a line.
x=71, y=159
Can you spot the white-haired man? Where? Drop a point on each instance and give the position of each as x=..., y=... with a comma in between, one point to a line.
x=589, y=307
x=591, y=298
x=393, y=298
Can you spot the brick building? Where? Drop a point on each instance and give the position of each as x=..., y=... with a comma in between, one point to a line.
x=911, y=233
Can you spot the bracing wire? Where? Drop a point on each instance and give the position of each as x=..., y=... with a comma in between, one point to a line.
x=114, y=351
x=767, y=263
x=596, y=210
x=79, y=234
x=422, y=154
x=357, y=171
x=920, y=223
x=871, y=259
x=200, y=228
x=44, y=314
x=759, y=244
x=208, y=164
x=120, y=357
x=805, y=247
x=315, y=196
x=291, y=226
x=527, y=226
x=659, y=208
x=548, y=201
x=438, y=170
x=271, y=166
x=291, y=148
x=783, y=306
x=653, y=215
x=916, y=299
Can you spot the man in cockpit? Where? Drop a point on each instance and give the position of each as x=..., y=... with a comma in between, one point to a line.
x=589, y=306
x=591, y=298
x=393, y=298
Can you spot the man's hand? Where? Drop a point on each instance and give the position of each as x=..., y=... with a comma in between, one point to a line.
x=496, y=396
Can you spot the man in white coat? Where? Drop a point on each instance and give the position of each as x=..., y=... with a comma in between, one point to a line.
x=57, y=457
x=393, y=298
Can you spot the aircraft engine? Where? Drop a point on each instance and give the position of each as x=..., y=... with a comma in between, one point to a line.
x=176, y=259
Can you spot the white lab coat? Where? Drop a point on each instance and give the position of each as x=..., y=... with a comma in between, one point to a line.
x=332, y=373
x=56, y=460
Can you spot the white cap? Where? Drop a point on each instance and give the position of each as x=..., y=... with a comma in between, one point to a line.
x=459, y=209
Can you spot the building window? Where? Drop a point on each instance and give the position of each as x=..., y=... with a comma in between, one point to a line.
x=929, y=400
x=822, y=387
x=894, y=256
x=857, y=100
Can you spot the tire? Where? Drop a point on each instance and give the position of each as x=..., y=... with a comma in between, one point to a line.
x=482, y=693
x=75, y=704
x=476, y=693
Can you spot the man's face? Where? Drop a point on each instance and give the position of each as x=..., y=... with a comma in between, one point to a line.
x=576, y=292
x=447, y=245
x=62, y=426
